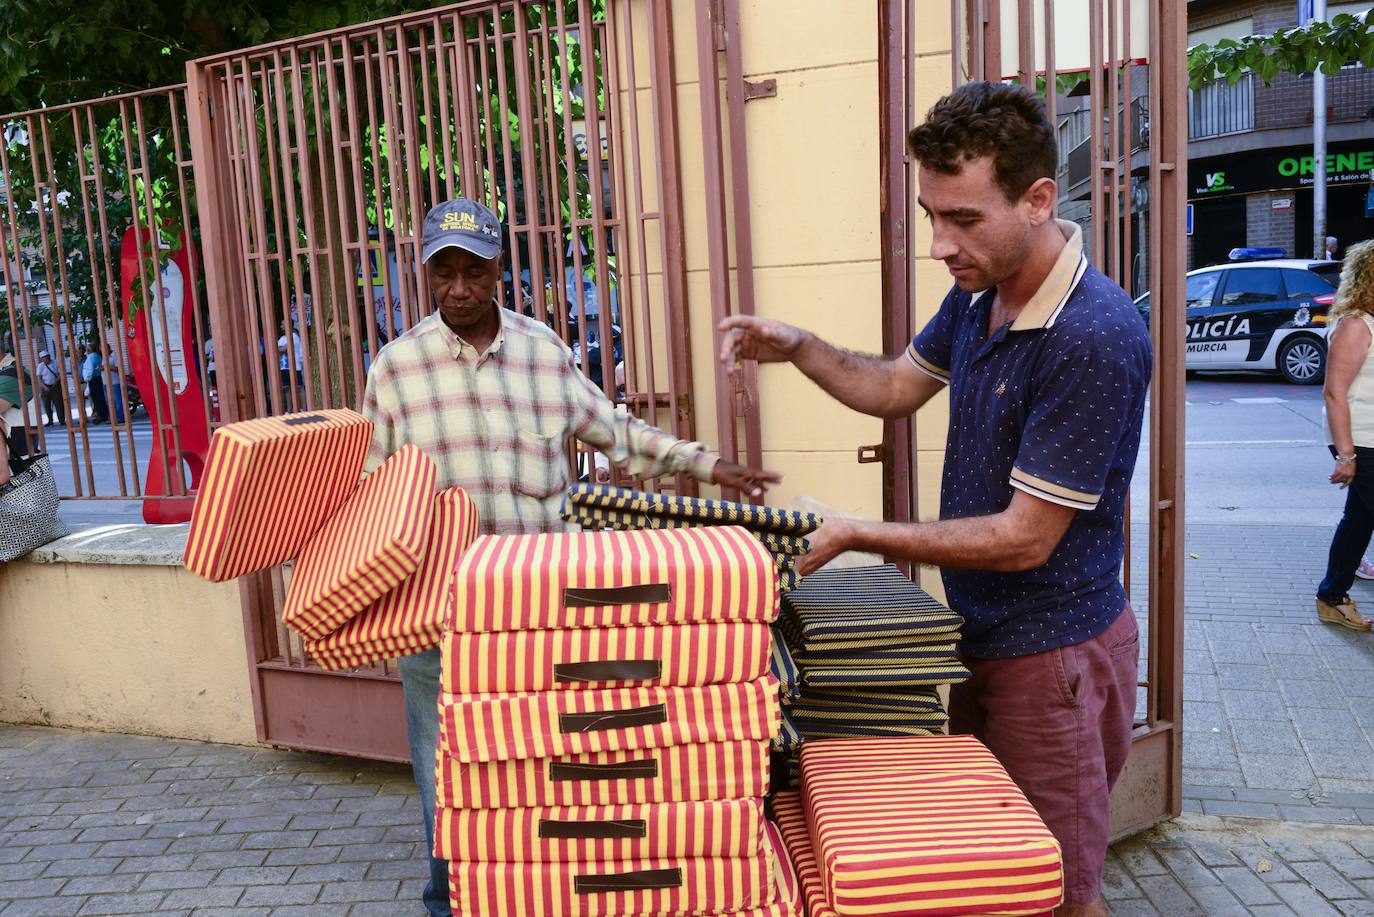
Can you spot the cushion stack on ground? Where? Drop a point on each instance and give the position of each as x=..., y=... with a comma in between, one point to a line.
x=783, y=532
x=870, y=648
x=916, y=826
x=605, y=711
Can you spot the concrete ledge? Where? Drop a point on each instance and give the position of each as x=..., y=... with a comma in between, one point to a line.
x=141, y=545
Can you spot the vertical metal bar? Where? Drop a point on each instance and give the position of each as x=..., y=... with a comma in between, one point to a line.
x=425, y=96
x=624, y=238
x=274, y=84
x=444, y=93
x=718, y=259
x=1111, y=170
x=343, y=136
x=674, y=253
x=892, y=228
x=1095, y=63
x=587, y=30
x=403, y=180
x=1051, y=74
x=529, y=140
x=977, y=38
x=209, y=159
x=490, y=185
x=514, y=227
x=569, y=153
x=1168, y=174
x=1025, y=21
x=553, y=197
x=747, y=400
x=470, y=170
x=378, y=190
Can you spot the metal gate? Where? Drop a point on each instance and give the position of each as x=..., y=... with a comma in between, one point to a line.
x=1119, y=64
x=316, y=159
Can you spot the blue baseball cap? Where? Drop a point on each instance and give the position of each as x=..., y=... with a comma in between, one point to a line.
x=464, y=224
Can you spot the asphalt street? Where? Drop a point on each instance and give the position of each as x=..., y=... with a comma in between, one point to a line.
x=1255, y=454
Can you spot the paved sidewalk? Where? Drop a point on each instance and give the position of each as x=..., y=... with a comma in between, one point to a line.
x=92, y=823
x=1278, y=708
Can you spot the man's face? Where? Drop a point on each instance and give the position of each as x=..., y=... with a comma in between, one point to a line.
x=982, y=237
x=463, y=285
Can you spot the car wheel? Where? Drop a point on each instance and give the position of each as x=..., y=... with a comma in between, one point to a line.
x=1302, y=360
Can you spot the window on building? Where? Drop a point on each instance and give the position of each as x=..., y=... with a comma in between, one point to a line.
x=1247, y=286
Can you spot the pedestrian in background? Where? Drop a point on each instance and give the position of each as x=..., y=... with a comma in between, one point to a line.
x=95, y=385
x=54, y=405
x=1349, y=396
x=117, y=383
x=1331, y=247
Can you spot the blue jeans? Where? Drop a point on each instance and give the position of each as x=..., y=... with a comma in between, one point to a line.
x=1352, y=533
x=420, y=679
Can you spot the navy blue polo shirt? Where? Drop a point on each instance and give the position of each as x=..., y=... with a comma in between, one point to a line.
x=1051, y=404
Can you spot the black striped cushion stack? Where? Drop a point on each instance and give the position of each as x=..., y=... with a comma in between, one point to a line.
x=870, y=648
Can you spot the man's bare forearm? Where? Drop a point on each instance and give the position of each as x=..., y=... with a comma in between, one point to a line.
x=864, y=382
x=974, y=543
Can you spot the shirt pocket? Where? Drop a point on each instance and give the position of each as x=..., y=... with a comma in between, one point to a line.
x=540, y=465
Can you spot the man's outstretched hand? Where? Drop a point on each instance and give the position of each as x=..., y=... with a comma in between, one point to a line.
x=748, y=337
x=752, y=481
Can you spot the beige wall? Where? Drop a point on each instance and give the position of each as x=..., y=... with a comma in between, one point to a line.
x=151, y=650
x=814, y=203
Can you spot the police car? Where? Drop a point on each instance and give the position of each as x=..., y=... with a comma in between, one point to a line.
x=1261, y=312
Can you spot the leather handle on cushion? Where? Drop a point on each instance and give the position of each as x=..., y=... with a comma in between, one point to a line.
x=639, y=880
x=608, y=670
x=601, y=720
x=561, y=771
x=646, y=594
x=627, y=829
x=304, y=419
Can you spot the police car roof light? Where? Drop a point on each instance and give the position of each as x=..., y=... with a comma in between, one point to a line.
x=1256, y=254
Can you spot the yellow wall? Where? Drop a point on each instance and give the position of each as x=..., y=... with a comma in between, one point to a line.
x=814, y=204
x=151, y=650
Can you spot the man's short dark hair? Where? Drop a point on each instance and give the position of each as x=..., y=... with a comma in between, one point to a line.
x=999, y=120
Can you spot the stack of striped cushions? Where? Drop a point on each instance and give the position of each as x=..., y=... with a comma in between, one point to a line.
x=374, y=560
x=605, y=713
x=870, y=649
x=916, y=826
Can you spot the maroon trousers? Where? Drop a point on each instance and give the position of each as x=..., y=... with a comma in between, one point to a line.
x=1060, y=722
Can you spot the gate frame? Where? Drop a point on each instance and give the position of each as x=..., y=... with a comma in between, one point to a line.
x=1150, y=788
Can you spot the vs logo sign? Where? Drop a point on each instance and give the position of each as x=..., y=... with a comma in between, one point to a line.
x=1215, y=180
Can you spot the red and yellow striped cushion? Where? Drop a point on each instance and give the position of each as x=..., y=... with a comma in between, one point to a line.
x=678, y=887
x=269, y=485
x=928, y=825
x=680, y=773
x=548, y=724
x=601, y=834
x=674, y=655
x=791, y=821
x=520, y=582
x=366, y=549
x=410, y=618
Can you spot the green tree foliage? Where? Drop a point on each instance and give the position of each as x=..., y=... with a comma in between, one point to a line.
x=1326, y=45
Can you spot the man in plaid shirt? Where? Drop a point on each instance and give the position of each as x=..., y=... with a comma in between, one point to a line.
x=493, y=398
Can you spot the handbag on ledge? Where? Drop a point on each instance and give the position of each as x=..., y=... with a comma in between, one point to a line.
x=28, y=504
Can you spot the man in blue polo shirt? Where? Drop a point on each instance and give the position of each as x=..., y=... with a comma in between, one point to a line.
x=1047, y=365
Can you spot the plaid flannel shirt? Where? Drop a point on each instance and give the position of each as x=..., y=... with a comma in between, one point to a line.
x=497, y=424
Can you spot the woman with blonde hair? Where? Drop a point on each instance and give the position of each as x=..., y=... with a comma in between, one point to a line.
x=1349, y=396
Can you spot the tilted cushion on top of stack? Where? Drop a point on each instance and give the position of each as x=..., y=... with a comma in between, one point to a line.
x=553, y=723
x=672, y=655
x=678, y=773
x=613, y=579
x=925, y=826
x=410, y=618
x=600, y=506
x=269, y=485
x=601, y=834
x=366, y=549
